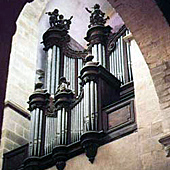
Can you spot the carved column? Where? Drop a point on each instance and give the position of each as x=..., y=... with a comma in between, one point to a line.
x=89, y=78
x=100, y=89
x=63, y=99
x=38, y=102
x=90, y=139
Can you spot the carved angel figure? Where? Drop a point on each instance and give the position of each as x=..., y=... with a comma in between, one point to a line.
x=58, y=21
x=63, y=85
x=97, y=16
x=53, y=17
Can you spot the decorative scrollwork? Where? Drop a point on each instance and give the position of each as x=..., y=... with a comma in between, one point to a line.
x=69, y=52
x=111, y=43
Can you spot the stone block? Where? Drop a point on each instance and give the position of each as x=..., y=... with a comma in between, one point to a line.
x=7, y=144
x=19, y=130
x=15, y=145
x=146, y=160
x=158, y=160
x=14, y=137
x=145, y=146
x=156, y=128
x=155, y=145
x=144, y=133
x=167, y=79
x=26, y=134
x=9, y=124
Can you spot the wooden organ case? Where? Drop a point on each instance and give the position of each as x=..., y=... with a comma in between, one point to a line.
x=83, y=99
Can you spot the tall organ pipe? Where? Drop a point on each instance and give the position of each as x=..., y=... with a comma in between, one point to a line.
x=53, y=69
x=90, y=106
x=38, y=103
x=98, y=51
x=118, y=61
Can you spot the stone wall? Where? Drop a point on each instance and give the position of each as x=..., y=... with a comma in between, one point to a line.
x=21, y=78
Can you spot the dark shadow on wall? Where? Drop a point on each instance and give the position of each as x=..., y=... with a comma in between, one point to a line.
x=164, y=6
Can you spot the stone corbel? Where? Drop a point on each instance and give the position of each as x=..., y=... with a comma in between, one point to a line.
x=165, y=141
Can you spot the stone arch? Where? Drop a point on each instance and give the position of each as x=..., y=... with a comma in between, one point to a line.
x=152, y=34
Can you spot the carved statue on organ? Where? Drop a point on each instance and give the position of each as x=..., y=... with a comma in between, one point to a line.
x=97, y=16
x=58, y=21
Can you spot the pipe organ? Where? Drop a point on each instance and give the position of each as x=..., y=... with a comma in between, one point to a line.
x=70, y=107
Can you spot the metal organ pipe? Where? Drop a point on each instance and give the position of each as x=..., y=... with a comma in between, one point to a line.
x=118, y=62
x=62, y=125
x=53, y=69
x=69, y=71
x=122, y=61
x=58, y=126
x=86, y=106
x=40, y=130
x=58, y=55
x=51, y=134
x=65, y=127
x=48, y=72
x=98, y=51
x=77, y=121
x=72, y=124
x=33, y=113
x=80, y=65
x=94, y=52
x=46, y=137
x=129, y=62
x=95, y=107
x=103, y=56
x=37, y=122
x=90, y=106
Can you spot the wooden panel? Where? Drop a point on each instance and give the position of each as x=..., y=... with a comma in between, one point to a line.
x=13, y=160
x=121, y=114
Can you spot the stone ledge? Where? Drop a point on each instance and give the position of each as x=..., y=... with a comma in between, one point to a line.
x=165, y=141
x=17, y=108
